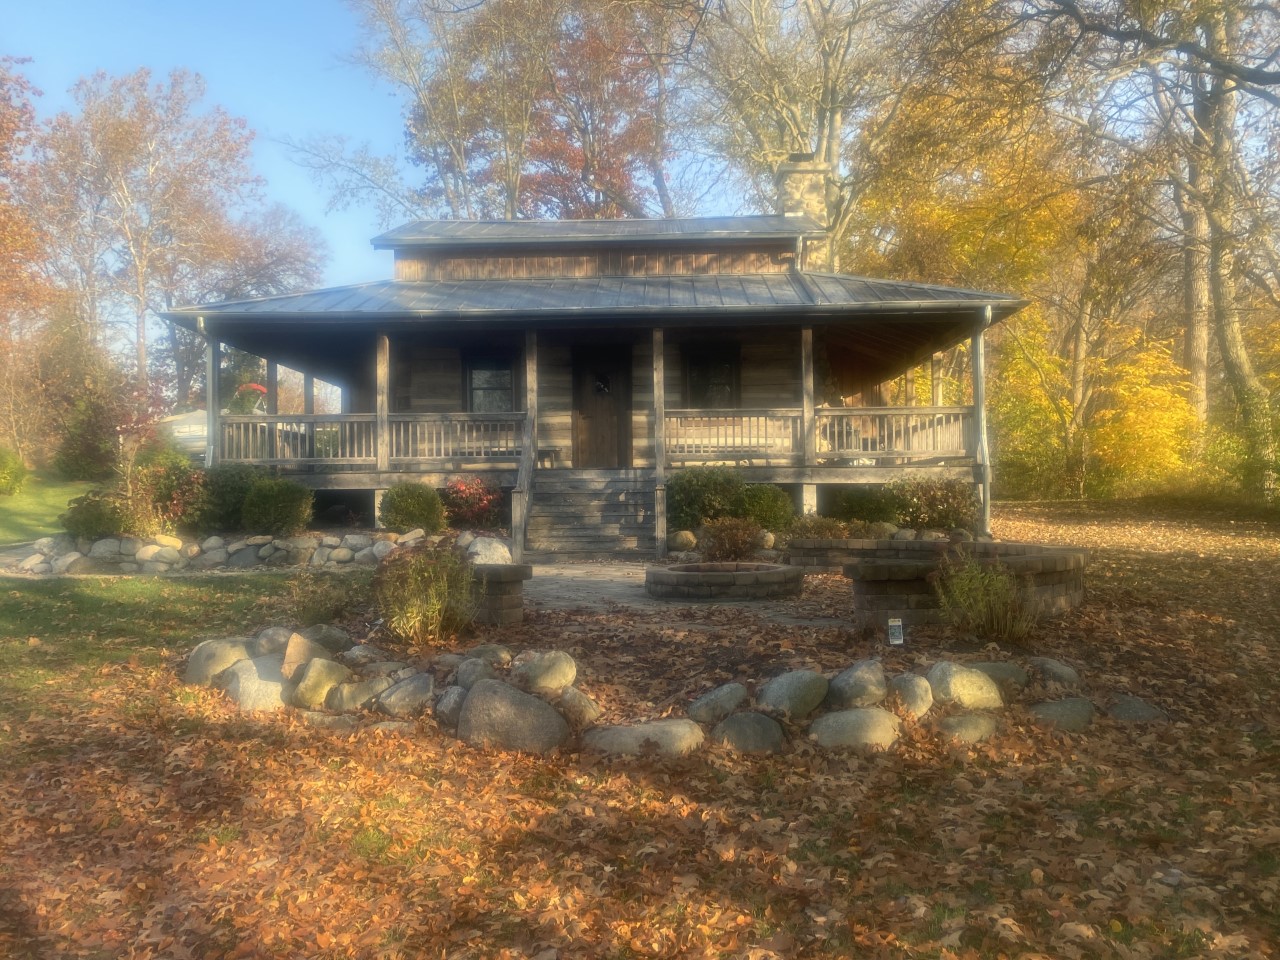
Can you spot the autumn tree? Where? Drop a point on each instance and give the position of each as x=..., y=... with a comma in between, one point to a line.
x=137, y=180
x=518, y=108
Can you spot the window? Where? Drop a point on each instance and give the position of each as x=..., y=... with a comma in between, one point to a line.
x=712, y=376
x=490, y=385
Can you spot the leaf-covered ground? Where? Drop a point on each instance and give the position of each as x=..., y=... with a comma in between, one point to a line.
x=144, y=819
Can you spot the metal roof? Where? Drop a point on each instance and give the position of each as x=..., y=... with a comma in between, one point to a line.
x=604, y=298
x=490, y=233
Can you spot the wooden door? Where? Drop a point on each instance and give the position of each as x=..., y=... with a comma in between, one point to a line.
x=602, y=408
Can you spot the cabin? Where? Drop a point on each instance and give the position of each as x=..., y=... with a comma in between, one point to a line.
x=578, y=363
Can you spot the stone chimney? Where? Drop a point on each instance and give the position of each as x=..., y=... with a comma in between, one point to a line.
x=801, y=184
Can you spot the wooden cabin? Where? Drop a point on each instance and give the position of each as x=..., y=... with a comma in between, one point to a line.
x=578, y=363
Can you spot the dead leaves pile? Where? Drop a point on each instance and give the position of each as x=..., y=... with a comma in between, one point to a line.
x=157, y=823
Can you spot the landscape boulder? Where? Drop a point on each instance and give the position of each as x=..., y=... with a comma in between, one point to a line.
x=665, y=738
x=968, y=727
x=254, y=685
x=496, y=714
x=1072, y=715
x=794, y=694
x=914, y=693
x=408, y=698
x=544, y=672
x=315, y=680
x=715, y=705
x=963, y=686
x=750, y=733
x=863, y=728
x=861, y=685
x=211, y=657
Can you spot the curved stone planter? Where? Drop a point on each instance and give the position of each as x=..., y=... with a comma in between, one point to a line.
x=724, y=581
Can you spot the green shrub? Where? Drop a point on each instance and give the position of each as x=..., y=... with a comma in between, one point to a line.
x=424, y=594
x=768, y=505
x=868, y=504
x=277, y=507
x=700, y=494
x=406, y=506
x=729, y=539
x=13, y=472
x=814, y=527
x=471, y=502
x=225, y=487
x=936, y=504
x=93, y=516
x=171, y=491
x=983, y=599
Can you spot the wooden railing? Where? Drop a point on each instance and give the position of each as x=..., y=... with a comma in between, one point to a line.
x=348, y=438
x=351, y=439
x=874, y=433
x=455, y=436
x=694, y=436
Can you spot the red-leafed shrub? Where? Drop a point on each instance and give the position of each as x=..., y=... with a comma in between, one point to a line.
x=471, y=502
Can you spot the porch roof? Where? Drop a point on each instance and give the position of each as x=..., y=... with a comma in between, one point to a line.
x=491, y=233
x=771, y=298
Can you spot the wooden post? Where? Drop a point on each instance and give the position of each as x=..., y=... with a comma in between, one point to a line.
x=383, y=425
x=212, y=401
x=531, y=387
x=660, y=442
x=308, y=394
x=935, y=379
x=808, y=419
x=273, y=407
x=981, y=455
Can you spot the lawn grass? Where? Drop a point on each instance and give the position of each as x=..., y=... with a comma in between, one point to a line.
x=33, y=512
x=55, y=633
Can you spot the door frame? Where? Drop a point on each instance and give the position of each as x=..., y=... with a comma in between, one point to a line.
x=617, y=357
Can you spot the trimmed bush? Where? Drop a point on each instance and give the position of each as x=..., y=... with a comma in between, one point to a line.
x=424, y=594
x=814, y=527
x=868, y=504
x=701, y=494
x=937, y=504
x=768, y=505
x=13, y=472
x=983, y=600
x=471, y=502
x=277, y=507
x=406, y=506
x=729, y=539
x=93, y=516
x=225, y=487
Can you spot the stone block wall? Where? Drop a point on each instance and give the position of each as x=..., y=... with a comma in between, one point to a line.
x=498, y=592
x=892, y=578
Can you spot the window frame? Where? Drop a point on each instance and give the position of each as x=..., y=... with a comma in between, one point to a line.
x=498, y=362
x=709, y=355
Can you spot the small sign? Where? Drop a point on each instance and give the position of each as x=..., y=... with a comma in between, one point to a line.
x=895, y=632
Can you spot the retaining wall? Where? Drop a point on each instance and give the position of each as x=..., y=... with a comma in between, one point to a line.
x=892, y=579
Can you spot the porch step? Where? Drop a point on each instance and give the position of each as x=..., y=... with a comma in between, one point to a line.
x=586, y=514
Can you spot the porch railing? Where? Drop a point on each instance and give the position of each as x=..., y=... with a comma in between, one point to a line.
x=874, y=433
x=351, y=439
x=456, y=436
x=694, y=436
x=346, y=439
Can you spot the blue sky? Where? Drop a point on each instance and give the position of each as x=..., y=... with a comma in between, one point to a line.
x=276, y=63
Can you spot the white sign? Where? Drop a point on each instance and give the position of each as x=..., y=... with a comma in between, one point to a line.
x=895, y=632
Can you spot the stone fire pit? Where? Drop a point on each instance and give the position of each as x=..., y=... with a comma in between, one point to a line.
x=724, y=581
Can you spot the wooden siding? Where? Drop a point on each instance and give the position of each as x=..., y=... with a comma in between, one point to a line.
x=621, y=262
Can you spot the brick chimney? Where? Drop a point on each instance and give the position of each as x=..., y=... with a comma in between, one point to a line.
x=801, y=184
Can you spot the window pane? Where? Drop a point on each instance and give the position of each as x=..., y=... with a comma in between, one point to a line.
x=491, y=387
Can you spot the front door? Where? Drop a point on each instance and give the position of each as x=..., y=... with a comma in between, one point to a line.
x=602, y=407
